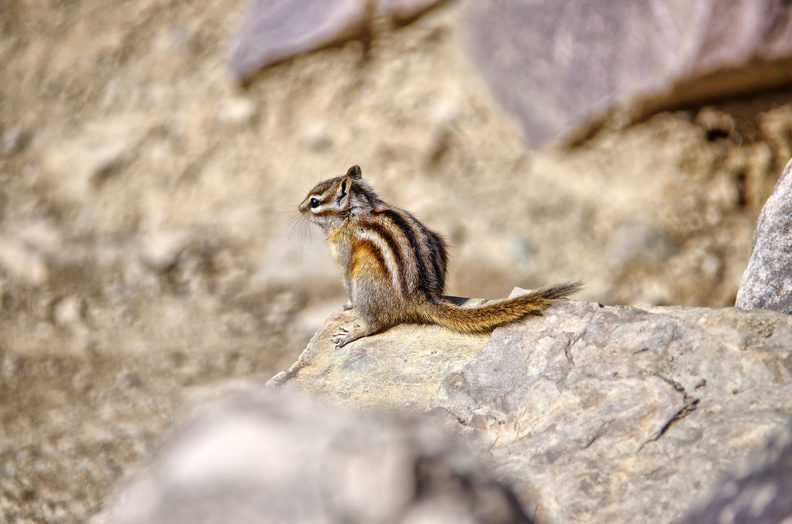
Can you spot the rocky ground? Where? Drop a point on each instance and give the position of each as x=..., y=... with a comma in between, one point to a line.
x=149, y=243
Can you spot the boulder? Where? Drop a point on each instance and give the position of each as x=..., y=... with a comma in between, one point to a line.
x=593, y=413
x=560, y=66
x=767, y=281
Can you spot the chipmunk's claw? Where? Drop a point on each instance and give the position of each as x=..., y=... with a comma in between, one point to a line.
x=346, y=334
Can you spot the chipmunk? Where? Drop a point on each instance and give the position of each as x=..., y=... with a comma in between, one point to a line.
x=394, y=267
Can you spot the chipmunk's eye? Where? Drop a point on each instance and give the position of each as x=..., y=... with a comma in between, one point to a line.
x=315, y=202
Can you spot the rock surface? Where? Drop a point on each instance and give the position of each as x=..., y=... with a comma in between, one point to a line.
x=767, y=281
x=759, y=496
x=278, y=458
x=561, y=65
x=596, y=414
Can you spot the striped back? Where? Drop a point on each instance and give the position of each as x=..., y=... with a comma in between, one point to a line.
x=415, y=258
x=404, y=251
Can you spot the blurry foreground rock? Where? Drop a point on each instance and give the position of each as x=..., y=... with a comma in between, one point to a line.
x=767, y=282
x=269, y=457
x=759, y=496
x=565, y=64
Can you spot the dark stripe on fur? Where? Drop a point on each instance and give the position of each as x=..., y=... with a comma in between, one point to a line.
x=393, y=245
x=406, y=229
x=437, y=256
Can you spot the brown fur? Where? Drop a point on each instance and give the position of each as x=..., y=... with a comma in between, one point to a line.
x=394, y=267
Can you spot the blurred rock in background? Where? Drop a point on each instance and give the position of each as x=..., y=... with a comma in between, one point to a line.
x=562, y=66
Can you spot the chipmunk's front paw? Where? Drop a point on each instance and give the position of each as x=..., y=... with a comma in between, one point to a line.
x=348, y=305
x=346, y=334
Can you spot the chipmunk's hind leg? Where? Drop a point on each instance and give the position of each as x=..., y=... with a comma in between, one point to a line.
x=374, y=305
x=359, y=328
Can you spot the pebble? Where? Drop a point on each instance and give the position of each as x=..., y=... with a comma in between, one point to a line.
x=160, y=250
x=315, y=135
x=13, y=142
x=21, y=262
x=68, y=311
x=238, y=111
x=633, y=241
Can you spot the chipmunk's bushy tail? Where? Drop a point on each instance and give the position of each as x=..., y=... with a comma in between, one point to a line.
x=485, y=318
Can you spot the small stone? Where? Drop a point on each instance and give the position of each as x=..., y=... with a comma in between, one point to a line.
x=68, y=311
x=314, y=134
x=160, y=250
x=521, y=249
x=21, y=262
x=716, y=123
x=711, y=265
x=443, y=112
x=41, y=235
x=238, y=111
x=633, y=241
x=13, y=142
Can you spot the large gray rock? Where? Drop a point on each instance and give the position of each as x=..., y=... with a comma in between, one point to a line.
x=561, y=65
x=277, y=30
x=767, y=281
x=595, y=414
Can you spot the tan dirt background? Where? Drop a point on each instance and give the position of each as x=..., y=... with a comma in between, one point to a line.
x=149, y=241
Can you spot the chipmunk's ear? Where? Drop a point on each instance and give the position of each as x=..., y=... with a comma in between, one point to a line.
x=343, y=190
x=354, y=173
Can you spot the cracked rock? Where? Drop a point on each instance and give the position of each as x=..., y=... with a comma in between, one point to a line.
x=594, y=413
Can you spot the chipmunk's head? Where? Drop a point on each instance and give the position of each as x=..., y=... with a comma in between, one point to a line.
x=337, y=199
